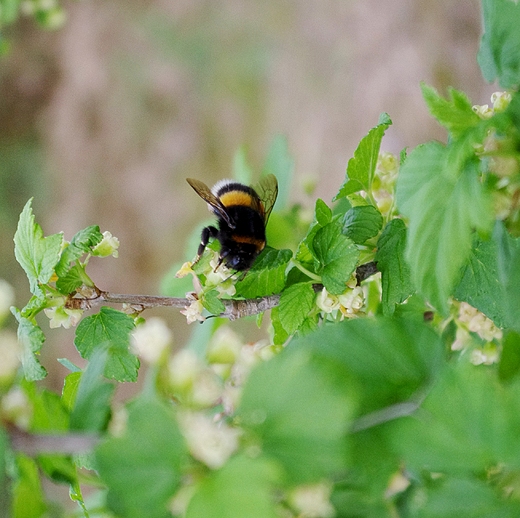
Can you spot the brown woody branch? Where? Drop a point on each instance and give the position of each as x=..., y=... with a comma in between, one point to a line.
x=234, y=308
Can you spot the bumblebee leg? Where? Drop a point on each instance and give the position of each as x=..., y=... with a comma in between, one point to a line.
x=207, y=233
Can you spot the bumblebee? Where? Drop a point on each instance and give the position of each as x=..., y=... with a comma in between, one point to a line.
x=242, y=214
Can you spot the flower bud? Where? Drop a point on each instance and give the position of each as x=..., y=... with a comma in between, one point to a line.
x=312, y=501
x=107, y=246
x=64, y=317
x=224, y=346
x=211, y=443
x=151, y=339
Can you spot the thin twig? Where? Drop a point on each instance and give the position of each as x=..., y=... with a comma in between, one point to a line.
x=234, y=308
x=35, y=444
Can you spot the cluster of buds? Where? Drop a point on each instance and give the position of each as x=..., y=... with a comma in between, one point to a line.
x=499, y=100
x=383, y=184
x=470, y=320
x=216, y=276
x=502, y=159
x=58, y=313
x=348, y=305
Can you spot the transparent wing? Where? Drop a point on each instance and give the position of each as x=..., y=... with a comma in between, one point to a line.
x=205, y=193
x=267, y=190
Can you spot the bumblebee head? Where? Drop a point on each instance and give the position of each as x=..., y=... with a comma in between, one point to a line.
x=239, y=260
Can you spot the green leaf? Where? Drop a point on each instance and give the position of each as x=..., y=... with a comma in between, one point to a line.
x=444, y=205
x=296, y=302
x=111, y=329
x=509, y=365
x=302, y=424
x=498, y=55
x=212, y=302
x=508, y=259
x=81, y=243
x=91, y=409
x=322, y=213
x=9, y=12
x=70, y=389
x=480, y=285
x=361, y=167
x=4, y=449
x=455, y=113
x=267, y=276
x=31, y=338
x=142, y=469
x=60, y=468
x=243, y=487
x=280, y=335
x=362, y=223
x=28, y=496
x=468, y=497
x=49, y=412
x=337, y=255
x=280, y=163
x=69, y=282
x=468, y=422
x=396, y=283
x=392, y=359
x=36, y=254
x=322, y=216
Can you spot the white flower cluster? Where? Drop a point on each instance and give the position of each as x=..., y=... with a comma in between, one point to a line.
x=199, y=387
x=312, y=501
x=499, y=100
x=349, y=304
x=470, y=320
x=218, y=277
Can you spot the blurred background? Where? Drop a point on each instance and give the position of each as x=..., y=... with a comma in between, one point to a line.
x=103, y=119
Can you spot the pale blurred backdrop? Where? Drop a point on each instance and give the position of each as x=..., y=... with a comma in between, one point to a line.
x=103, y=119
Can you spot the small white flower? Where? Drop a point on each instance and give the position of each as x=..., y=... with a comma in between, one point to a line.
x=221, y=278
x=185, y=269
x=151, y=339
x=193, y=312
x=500, y=101
x=16, y=408
x=118, y=422
x=352, y=300
x=64, y=317
x=312, y=501
x=10, y=351
x=462, y=339
x=183, y=369
x=224, y=346
x=483, y=111
x=211, y=443
x=206, y=389
x=327, y=302
x=107, y=246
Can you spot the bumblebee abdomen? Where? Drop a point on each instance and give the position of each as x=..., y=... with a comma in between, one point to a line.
x=233, y=194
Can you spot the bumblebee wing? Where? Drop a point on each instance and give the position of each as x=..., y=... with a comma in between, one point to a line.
x=267, y=190
x=205, y=193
